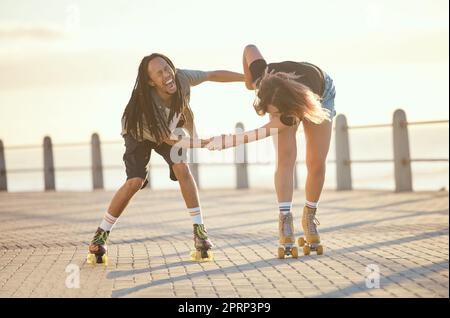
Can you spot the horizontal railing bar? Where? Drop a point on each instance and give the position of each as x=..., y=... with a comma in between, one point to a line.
x=71, y=144
x=430, y=160
x=217, y=164
x=430, y=122
x=25, y=170
x=391, y=160
x=22, y=147
x=369, y=126
x=372, y=161
x=113, y=142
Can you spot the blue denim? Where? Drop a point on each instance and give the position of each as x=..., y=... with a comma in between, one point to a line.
x=328, y=96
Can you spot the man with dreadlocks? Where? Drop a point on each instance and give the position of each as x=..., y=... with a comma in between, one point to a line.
x=159, y=104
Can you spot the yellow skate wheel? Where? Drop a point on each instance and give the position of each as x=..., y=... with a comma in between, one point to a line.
x=294, y=252
x=319, y=250
x=209, y=258
x=281, y=252
x=306, y=250
x=91, y=259
x=301, y=241
x=105, y=260
x=195, y=256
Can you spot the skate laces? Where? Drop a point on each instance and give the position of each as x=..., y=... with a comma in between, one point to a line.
x=100, y=237
x=287, y=224
x=200, y=231
x=313, y=222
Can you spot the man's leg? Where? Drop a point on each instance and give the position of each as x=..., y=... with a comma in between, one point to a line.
x=136, y=157
x=189, y=191
x=187, y=183
x=98, y=248
x=123, y=196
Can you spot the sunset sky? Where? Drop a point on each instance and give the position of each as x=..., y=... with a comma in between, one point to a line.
x=67, y=67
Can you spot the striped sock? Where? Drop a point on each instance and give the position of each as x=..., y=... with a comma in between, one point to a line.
x=285, y=207
x=311, y=205
x=108, y=222
x=196, y=215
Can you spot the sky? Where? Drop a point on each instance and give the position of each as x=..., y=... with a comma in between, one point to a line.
x=67, y=67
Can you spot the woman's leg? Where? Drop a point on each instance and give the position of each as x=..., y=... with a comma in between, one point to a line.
x=317, y=144
x=286, y=156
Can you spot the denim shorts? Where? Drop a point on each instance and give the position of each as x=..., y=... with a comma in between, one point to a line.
x=328, y=96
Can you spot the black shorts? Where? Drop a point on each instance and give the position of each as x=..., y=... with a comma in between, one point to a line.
x=310, y=75
x=137, y=155
x=257, y=69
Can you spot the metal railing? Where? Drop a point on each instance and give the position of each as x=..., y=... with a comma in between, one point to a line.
x=402, y=159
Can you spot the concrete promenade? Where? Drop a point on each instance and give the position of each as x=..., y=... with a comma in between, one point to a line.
x=404, y=236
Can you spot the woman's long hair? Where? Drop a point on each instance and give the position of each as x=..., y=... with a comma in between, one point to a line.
x=293, y=99
x=142, y=110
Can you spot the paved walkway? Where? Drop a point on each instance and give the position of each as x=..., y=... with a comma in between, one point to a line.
x=403, y=236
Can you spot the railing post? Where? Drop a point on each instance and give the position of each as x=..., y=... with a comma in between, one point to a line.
x=193, y=166
x=240, y=159
x=96, y=159
x=49, y=167
x=402, y=159
x=343, y=163
x=3, y=181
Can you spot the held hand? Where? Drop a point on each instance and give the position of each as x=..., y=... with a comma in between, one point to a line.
x=205, y=142
x=218, y=143
x=215, y=143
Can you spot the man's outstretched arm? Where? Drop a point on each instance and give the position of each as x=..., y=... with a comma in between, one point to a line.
x=224, y=76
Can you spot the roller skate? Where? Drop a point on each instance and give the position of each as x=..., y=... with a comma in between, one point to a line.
x=286, y=236
x=311, y=240
x=97, y=249
x=202, y=245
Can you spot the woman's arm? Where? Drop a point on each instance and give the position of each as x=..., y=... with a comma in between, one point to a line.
x=251, y=54
x=187, y=142
x=224, y=76
x=273, y=127
x=247, y=76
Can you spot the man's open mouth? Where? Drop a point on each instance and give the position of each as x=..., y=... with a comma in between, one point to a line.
x=170, y=84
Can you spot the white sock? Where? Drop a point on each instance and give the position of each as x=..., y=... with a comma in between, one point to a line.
x=108, y=222
x=285, y=207
x=312, y=205
x=196, y=215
